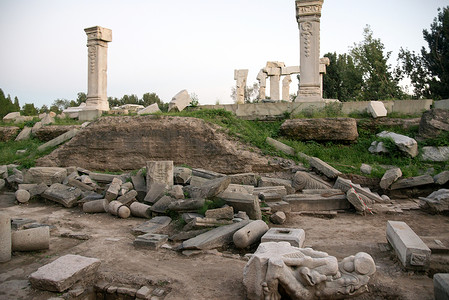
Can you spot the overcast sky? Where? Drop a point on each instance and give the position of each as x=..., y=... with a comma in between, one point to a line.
x=165, y=46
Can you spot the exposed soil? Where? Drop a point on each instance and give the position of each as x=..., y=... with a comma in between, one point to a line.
x=217, y=275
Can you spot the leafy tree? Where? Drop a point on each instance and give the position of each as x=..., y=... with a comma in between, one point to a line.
x=44, y=109
x=82, y=97
x=195, y=100
x=16, y=104
x=379, y=82
x=29, y=110
x=59, y=105
x=343, y=80
x=429, y=70
x=4, y=105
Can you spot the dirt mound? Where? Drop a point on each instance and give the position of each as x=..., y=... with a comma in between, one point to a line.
x=126, y=143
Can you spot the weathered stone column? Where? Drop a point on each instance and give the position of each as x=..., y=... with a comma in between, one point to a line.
x=308, y=13
x=286, y=88
x=97, y=45
x=273, y=69
x=240, y=76
x=262, y=78
x=324, y=61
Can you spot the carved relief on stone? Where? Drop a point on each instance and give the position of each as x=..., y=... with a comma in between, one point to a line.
x=307, y=8
x=306, y=33
x=92, y=54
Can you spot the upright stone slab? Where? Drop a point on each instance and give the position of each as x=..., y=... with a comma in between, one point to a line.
x=5, y=237
x=64, y=272
x=262, y=78
x=240, y=78
x=286, y=88
x=377, y=109
x=308, y=14
x=159, y=172
x=97, y=45
x=180, y=101
x=273, y=69
x=389, y=177
x=410, y=249
x=441, y=286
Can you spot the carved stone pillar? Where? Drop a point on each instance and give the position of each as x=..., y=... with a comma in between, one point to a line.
x=308, y=13
x=97, y=45
x=286, y=88
x=262, y=78
x=240, y=76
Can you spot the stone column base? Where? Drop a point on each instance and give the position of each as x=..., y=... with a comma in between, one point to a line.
x=89, y=114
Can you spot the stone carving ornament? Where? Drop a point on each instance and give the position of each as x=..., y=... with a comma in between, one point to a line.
x=278, y=269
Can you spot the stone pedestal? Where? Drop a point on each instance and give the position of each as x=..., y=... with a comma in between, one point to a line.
x=97, y=44
x=308, y=13
x=240, y=76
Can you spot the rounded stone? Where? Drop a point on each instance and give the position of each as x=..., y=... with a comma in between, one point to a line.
x=22, y=196
x=140, y=210
x=5, y=237
x=364, y=263
x=31, y=239
x=249, y=234
x=95, y=206
x=123, y=212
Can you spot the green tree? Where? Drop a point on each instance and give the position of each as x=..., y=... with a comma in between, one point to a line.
x=44, y=109
x=343, y=80
x=16, y=104
x=429, y=70
x=82, y=97
x=59, y=105
x=29, y=110
x=251, y=93
x=4, y=105
x=379, y=82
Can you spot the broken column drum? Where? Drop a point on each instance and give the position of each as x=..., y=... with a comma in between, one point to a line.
x=308, y=15
x=97, y=44
x=5, y=237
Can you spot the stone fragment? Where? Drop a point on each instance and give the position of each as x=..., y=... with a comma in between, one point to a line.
x=389, y=177
x=355, y=200
x=150, y=109
x=303, y=180
x=8, y=133
x=5, y=237
x=140, y=186
x=58, y=140
x=47, y=119
x=441, y=286
x=278, y=217
x=226, y=213
x=280, y=146
x=345, y=185
x=161, y=206
x=410, y=249
x=46, y=175
x=78, y=184
x=404, y=143
x=209, y=189
x=279, y=206
x=64, y=272
x=152, y=226
x=182, y=175
x=143, y=292
x=36, y=127
x=208, y=174
x=180, y=101
x=10, y=117
x=435, y=153
x=267, y=181
x=185, y=235
x=243, y=202
x=294, y=236
x=244, y=178
x=62, y=194
x=22, y=196
x=433, y=122
x=176, y=192
x=323, y=129
x=324, y=168
x=240, y=188
x=240, y=76
x=377, y=109
x=215, y=238
x=438, y=201
x=366, y=169
x=412, y=182
x=270, y=197
x=25, y=134
x=281, y=190
x=198, y=181
x=128, y=197
x=113, y=189
x=156, y=192
x=118, y=209
x=249, y=234
x=200, y=222
x=33, y=239
x=441, y=178
x=188, y=216
x=140, y=210
x=95, y=206
x=378, y=147
x=152, y=241
x=159, y=172
x=102, y=178
x=311, y=202
x=186, y=205
x=3, y=171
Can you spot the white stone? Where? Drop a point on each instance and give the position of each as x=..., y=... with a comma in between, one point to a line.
x=286, y=88
x=389, y=177
x=159, y=172
x=47, y=119
x=262, y=78
x=295, y=236
x=22, y=196
x=11, y=117
x=46, y=175
x=240, y=77
x=249, y=234
x=404, y=143
x=151, y=109
x=366, y=169
x=132, y=107
x=24, y=134
x=180, y=101
x=435, y=153
x=377, y=109
x=290, y=70
x=377, y=147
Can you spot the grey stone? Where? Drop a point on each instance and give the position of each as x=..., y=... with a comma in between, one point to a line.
x=433, y=122
x=64, y=272
x=377, y=147
x=36, y=127
x=303, y=180
x=206, y=174
x=267, y=181
x=244, y=178
x=46, y=175
x=412, y=182
x=25, y=134
x=345, y=185
x=47, y=119
x=118, y=209
x=152, y=226
x=240, y=188
x=113, y=189
x=182, y=175
x=128, y=197
x=441, y=286
x=94, y=206
x=159, y=172
x=3, y=171
x=180, y=101
x=22, y=196
x=58, y=140
x=78, y=184
x=389, y=177
x=100, y=177
x=143, y=292
x=324, y=168
x=151, y=109
x=176, y=192
x=188, y=216
x=279, y=206
x=198, y=181
x=140, y=186
x=150, y=240
x=156, y=191
x=377, y=109
x=281, y=190
x=296, y=237
x=140, y=210
x=182, y=236
x=200, y=222
x=33, y=239
x=270, y=197
x=435, y=153
x=441, y=178
x=410, y=249
x=404, y=143
x=243, y=202
x=249, y=234
x=278, y=217
x=161, y=206
x=226, y=213
x=18, y=223
x=5, y=237
x=209, y=189
x=62, y=194
x=280, y=146
x=355, y=200
x=366, y=169
x=437, y=201
x=215, y=238
x=310, y=202
x=186, y=205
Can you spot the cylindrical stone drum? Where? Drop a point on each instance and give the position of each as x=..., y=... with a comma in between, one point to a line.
x=95, y=206
x=118, y=209
x=31, y=239
x=5, y=237
x=249, y=234
x=140, y=210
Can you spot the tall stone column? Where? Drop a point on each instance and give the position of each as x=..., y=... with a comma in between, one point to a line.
x=286, y=88
x=97, y=45
x=262, y=78
x=273, y=69
x=308, y=13
x=240, y=76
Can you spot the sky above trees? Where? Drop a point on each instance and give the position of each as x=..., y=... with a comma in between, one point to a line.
x=166, y=46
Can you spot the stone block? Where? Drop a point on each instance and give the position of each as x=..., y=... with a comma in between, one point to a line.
x=433, y=122
x=435, y=153
x=324, y=168
x=200, y=222
x=143, y=292
x=140, y=210
x=226, y=213
x=310, y=202
x=346, y=184
x=180, y=101
x=209, y=189
x=406, y=144
x=156, y=191
x=118, y=209
x=280, y=146
x=441, y=178
x=410, y=249
x=240, y=188
x=243, y=202
x=5, y=237
x=249, y=234
x=25, y=134
x=207, y=174
x=267, y=181
x=10, y=117
x=278, y=217
x=140, y=186
x=62, y=194
x=64, y=272
x=186, y=205
x=441, y=286
x=58, y=140
x=78, y=184
x=377, y=109
x=152, y=226
x=113, y=189
x=159, y=172
x=244, y=178
x=279, y=206
x=281, y=190
x=389, y=177
x=45, y=175
x=294, y=236
x=412, y=182
x=150, y=240
x=161, y=206
x=22, y=196
x=128, y=197
x=182, y=175
x=33, y=239
x=102, y=178
x=95, y=206
x=89, y=114
x=151, y=109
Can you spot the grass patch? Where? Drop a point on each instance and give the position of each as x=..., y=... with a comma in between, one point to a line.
x=8, y=152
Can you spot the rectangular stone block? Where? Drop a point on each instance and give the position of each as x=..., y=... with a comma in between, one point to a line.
x=103, y=178
x=150, y=240
x=159, y=172
x=243, y=202
x=64, y=272
x=377, y=109
x=311, y=202
x=441, y=286
x=294, y=236
x=410, y=249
